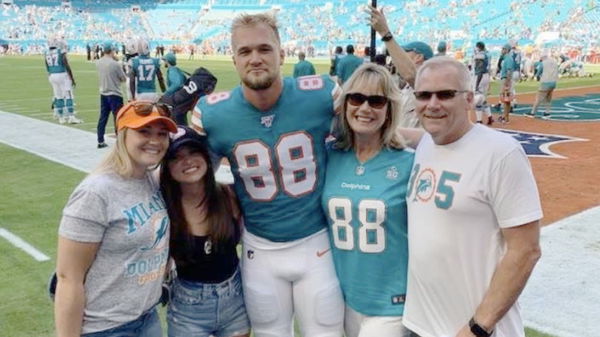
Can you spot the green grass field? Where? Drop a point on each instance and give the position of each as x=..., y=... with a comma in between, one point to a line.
x=35, y=190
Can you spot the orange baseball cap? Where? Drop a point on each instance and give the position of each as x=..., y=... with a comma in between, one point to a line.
x=137, y=114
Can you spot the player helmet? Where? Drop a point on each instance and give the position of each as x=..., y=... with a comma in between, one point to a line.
x=53, y=42
x=143, y=48
x=62, y=44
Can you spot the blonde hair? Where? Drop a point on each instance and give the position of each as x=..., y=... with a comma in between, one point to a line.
x=118, y=159
x=371, y=73
x=251, y=20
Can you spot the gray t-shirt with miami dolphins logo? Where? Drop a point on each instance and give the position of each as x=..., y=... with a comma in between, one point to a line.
x=129, y=219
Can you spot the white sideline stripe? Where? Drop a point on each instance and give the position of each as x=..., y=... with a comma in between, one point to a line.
x=49, y=98
x=20, y=243
x=561, y=295
x=72, y=147
x=556, y=90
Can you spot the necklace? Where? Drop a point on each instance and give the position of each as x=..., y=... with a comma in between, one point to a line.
x=362, y=159
x=360, y=170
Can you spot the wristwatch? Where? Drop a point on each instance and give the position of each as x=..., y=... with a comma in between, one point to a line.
x=388, y=36
x=478, y=330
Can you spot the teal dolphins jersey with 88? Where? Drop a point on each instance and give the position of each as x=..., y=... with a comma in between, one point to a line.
x=365, y=206
x=277, y=157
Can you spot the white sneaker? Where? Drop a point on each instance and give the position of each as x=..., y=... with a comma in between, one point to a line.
x=74, y=120
x=62, y=120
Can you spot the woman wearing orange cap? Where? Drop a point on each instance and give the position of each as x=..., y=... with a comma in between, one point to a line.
x=114, y=235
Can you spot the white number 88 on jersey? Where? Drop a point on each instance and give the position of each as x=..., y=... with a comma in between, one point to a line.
x=297, y=166
x=371, y=217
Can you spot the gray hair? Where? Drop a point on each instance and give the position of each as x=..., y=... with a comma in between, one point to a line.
x=462, y=72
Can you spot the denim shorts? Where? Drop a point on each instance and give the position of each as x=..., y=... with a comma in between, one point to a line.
x=204, y=309
x=147, y=325
x=547, y=86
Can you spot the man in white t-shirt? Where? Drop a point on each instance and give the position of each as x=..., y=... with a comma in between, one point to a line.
x=473, y=211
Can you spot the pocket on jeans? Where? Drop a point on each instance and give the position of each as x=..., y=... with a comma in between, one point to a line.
x=184, y=295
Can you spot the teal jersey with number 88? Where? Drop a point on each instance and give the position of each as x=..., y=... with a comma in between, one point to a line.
x=365, y=205
x=277, y=156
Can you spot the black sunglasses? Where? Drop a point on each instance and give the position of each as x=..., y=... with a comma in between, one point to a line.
x=142, y=108
x=442, y=95
x=375, y=101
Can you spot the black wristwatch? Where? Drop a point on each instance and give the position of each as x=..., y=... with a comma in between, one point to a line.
x=388, y=36
x=477, y=330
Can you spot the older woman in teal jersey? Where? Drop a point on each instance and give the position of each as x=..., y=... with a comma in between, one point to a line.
x=364, y=199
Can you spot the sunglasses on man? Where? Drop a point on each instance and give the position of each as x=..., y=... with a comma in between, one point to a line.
x=442, y=95
x=375, y=101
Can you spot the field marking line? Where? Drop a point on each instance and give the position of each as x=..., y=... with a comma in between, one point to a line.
x=556, y=90
x=23, y=245
x=49, y=98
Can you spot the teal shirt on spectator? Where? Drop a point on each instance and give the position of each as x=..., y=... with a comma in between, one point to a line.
x=175, y=79
x=508, y=66
x=538, y=68
x=347, y=65
x=303, y=68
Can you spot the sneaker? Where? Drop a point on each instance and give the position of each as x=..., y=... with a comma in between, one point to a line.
x=501, y=119
x=529, y=114
x=546, y=116
x=62, y=120
x=490, y=120
x=102, y=145
x=74, y=120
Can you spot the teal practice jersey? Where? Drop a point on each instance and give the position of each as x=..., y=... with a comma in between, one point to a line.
x=277, y=157
x=55, y=61
x=145, y=68
x=366, y=209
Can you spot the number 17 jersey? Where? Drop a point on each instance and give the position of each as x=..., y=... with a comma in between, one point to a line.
x=277, y=156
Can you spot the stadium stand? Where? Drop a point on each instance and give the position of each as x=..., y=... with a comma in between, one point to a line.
x=319, y=24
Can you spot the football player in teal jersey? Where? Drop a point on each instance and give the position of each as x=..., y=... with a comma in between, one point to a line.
x=144, y=71
x=273, y=131
x=364, y=198
x=481, y=74
x=62, y=81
